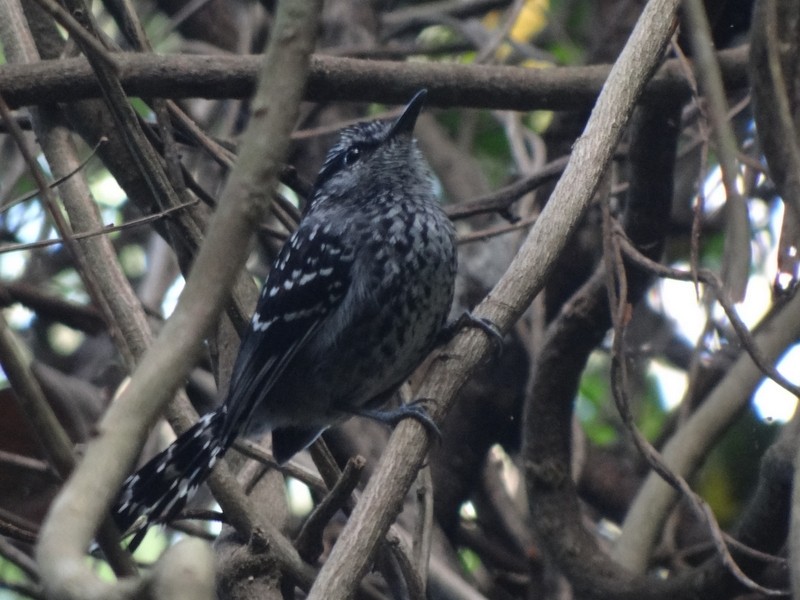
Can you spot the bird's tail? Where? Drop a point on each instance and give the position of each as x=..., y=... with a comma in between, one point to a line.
x=161, y=488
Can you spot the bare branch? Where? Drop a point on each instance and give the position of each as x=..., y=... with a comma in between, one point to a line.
x=75, y=514
x=331, y=78
x=525, y=277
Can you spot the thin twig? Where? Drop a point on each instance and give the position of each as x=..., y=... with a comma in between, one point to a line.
x=17, y=528
x=412, y=577
x=698, y=208
x=501, y=200
x=34, y=465
x=484, y=234
x=309, y=540
x=252, y=450
x=422, y=539
x=68, y=22
x=223, y=156
x=736, y=259
x=712, y=280
x=502, y=32
x=56, y=182
x=105, y=231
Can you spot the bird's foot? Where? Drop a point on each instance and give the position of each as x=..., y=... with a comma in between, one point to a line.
x=467, y=319
x=415, y=410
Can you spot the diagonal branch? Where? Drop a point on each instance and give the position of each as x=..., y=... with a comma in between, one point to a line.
x=76, y=512
x=525, y=277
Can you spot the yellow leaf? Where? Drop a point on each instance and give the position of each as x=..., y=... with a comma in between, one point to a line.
x=532, y=19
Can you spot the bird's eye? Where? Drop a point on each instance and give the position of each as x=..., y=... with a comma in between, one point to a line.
x=351, y=156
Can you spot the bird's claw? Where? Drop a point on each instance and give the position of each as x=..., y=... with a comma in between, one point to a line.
x=415, y=410
x=467, y=319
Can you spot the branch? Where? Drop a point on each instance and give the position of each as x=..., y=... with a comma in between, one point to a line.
x=573, y=335
x=52, y=308
x=525, y=277
x=736, y=254
x=76, y=512
x=331, y=79
x=772, y=58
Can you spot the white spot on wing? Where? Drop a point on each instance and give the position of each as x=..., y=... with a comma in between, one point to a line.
x=259, y=325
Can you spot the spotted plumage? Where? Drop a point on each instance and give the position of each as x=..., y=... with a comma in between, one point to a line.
x=353, y=303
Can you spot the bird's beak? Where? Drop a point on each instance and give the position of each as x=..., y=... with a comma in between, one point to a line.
x=405, y=122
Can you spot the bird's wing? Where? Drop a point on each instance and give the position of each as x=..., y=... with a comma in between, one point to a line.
x=307, y=283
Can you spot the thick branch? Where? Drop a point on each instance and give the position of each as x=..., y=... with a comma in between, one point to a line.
x=513, y=88
x=76, y=512
x=579, y=328
x=526, y=275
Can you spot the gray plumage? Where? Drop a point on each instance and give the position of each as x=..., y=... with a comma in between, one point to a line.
x=353, y=303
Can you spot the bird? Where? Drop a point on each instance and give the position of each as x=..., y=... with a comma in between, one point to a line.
x=355, y=300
